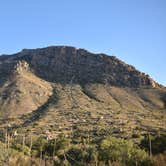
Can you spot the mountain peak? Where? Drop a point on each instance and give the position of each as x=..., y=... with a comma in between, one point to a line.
x=61, y=63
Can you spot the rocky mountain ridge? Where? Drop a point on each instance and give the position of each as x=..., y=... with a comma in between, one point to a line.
x=60, y=88
x=61, y=63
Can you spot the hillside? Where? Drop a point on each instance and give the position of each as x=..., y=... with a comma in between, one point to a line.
x=62, y=89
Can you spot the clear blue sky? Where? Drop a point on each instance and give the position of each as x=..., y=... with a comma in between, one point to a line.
x=133, y=30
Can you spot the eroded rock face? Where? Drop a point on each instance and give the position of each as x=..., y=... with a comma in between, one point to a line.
x=152, y=82
x=60, y=64
x=21, y=66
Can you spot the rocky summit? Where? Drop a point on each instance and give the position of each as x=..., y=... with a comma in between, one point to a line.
x=61, y=88
x=61, y=64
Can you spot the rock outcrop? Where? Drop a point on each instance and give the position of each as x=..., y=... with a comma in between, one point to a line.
x=21, y=67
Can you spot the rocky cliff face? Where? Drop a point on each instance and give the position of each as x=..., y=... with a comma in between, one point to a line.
x=61, y=64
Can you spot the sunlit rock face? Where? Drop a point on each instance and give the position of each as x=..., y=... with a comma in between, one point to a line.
x=21, y=66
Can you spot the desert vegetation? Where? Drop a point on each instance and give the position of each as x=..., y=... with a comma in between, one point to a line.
x=79, y=149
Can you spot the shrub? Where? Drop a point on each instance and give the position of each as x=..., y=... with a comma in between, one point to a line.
x=119, y=150
x=21, y=148
x=158, y=144
x=82, y=155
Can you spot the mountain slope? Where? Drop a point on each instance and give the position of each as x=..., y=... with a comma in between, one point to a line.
x=23, y=92
x=63, y=88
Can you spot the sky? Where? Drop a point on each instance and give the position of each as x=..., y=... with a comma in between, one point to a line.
x=132, y=30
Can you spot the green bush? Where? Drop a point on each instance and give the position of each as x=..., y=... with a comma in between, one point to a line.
x=21, y=148
x=114, y=149
x=82, y=155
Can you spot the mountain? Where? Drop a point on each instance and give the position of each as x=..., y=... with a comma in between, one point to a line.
x=61, y=88
x=60, y=64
